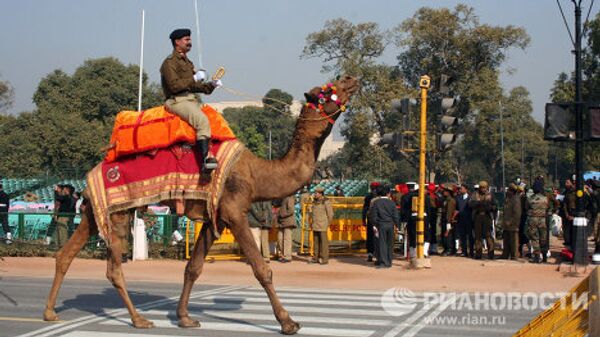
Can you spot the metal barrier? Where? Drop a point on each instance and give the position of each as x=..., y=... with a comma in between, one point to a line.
x=31, y=226
x=346, y=225
x=576, y=314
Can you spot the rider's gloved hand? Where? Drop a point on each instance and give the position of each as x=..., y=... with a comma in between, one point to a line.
x=199, y=75
x=217, y=83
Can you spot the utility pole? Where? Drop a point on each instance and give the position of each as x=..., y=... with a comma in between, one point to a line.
x=420, y=261
x=579, y=221
x=502, y=147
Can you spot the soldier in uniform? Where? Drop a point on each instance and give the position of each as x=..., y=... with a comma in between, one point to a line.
x=482, y=203
x=510, y=222
x=568, y=211
x=259, y=219
x=537, y=207
x=180, y=81
x=286, y=222
x=448, y=219
x=322, y=215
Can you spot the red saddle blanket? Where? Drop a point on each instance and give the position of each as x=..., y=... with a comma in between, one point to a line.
x=157, y=128
x=171, y=173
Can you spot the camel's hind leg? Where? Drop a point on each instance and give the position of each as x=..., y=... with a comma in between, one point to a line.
x=65, y=256
x=114, y=273
x=241, y=230
x=193, y=269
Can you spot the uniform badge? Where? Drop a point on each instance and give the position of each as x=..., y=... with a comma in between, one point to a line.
x=113, y=174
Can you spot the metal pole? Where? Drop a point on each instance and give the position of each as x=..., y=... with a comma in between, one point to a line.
x=502, y=148
x=419, y=261
x=141, y=64
x=198, y=35
x=579, y=221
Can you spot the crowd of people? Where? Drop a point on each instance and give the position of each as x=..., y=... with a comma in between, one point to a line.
x=464, y=222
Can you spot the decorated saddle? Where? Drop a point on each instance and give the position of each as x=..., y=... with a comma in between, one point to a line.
x=152, y=159
x=156, y=128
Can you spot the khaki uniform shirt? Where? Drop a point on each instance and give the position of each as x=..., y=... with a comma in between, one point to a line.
x=177, y=77
x=322, y=215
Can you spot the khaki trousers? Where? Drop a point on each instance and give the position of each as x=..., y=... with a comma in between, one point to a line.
x=264, y=237
x=256, y=235
x=61, y=234
x=321, y=246
x=188, y=108
x=284, y=243
x=510, y=239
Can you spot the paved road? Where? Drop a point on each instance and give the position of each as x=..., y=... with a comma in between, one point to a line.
x=93, y=309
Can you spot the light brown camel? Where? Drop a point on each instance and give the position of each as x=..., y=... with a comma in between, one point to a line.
x=251, y=179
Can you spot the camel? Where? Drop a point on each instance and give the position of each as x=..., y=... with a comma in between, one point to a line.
x=251, y=179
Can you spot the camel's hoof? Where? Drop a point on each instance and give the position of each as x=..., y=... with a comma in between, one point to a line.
x=50, y=315
x=290, y=328
x=142, y=323
x=186, y=322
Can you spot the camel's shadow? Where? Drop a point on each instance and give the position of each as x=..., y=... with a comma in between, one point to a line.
x=103, y=304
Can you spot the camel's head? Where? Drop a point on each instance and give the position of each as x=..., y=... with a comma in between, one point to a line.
x=332, y=98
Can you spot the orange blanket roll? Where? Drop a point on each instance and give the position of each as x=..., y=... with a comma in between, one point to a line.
x=156, y=128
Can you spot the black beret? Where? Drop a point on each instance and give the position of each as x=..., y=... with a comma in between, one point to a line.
x=179, y=33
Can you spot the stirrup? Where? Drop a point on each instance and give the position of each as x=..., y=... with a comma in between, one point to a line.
x=210, y=164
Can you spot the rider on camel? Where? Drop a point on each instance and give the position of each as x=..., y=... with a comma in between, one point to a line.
x=180, y=81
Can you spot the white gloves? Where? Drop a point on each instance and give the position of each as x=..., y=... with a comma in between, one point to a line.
x=199, y=75
x=448, y=226
x=217, y=83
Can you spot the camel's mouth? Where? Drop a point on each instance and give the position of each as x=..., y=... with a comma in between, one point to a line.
x=347, y=85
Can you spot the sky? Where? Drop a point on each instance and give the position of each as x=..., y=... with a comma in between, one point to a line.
x=258, y=42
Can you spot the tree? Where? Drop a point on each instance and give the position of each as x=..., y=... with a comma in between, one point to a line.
x=252, y=125
x=563, y=90
x=456, y=45
x=73, y=119
x=6, y=97
x=98, y=90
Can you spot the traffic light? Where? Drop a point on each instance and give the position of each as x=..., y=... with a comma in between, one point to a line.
x=594, y=122
x=559, y=123
x=443, y=108
x=393, y=139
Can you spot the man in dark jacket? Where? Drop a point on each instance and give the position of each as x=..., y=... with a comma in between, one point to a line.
x=365, y=221
x=384, y=215
x=259, y=219
x=511, y=218
x=64, y=217
x=4, y=205
x=464, y=225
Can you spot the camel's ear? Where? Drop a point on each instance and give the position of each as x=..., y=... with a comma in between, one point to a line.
x=311, y=98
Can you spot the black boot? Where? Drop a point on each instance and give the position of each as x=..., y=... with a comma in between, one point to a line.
x=209, y=163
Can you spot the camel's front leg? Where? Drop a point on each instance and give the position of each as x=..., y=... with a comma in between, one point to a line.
x=241, y=230
x=193, y=270
x=114, y=273
x=64, y=257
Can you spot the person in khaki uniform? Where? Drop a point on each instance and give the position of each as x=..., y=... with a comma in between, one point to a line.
x=322, y=215
x=537, y=207
x=286, y=222
x=259, y=219
x=510, y=222
x=482, y=203
x=180, y=81
x=449, y=214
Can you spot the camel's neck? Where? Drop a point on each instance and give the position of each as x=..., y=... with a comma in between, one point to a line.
x=284, y=176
